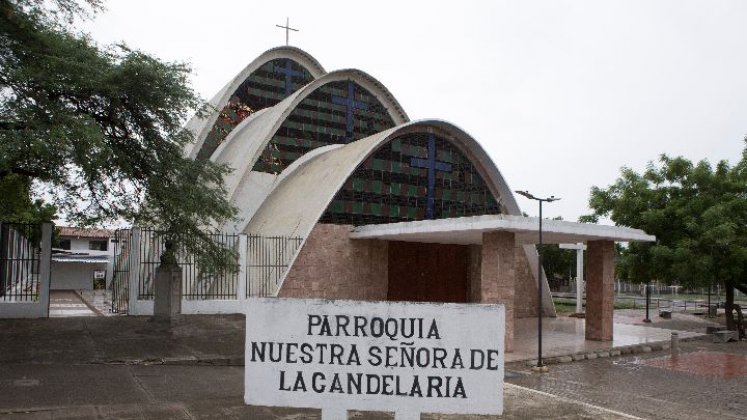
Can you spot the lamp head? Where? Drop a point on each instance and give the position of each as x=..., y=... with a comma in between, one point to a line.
x=526, y=194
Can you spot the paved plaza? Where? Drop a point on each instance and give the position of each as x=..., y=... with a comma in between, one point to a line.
x=125, y=367
x=564, y=336
x=69, y=303
x=706, y=380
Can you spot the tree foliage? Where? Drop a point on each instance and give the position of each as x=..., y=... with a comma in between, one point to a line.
x=98, y=130
x=698, y=213
x=557, y=262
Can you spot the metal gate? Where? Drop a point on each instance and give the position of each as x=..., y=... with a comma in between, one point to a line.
x=25, y=263
x=261, y=263
x=20, y=252
x=121, y=275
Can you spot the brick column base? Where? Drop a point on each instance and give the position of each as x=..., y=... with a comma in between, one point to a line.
x=498, y=277
x=600, y=292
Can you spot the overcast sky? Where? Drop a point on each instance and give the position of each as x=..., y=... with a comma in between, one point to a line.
x=560, y=93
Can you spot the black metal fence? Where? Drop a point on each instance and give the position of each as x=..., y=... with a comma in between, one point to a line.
x=200, y=283
x=121, y=277
x=20, y=254
x=138, y=251
x=268, y=258
x=197, y=283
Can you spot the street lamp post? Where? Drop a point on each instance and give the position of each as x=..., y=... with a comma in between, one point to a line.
x=713, y=275
x=540, y=366
x=648, y=301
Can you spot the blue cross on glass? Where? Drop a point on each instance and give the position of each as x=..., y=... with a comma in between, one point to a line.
x=350, y=104
x=432, y=165
x=289, y=73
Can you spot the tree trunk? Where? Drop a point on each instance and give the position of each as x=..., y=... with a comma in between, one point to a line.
x=729, y=306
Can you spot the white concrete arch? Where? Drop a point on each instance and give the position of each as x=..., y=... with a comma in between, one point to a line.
x=325, y=173
x=244, y=145
x=201, y=125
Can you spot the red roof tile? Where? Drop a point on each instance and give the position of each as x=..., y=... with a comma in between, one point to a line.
x=66, y=231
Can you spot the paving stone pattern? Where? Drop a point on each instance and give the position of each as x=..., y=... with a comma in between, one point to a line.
x=67, y=303
x=705, y=363
x=123, y=367
x=647, y=386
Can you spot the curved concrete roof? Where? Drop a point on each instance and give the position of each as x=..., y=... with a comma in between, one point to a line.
x=245, y=143
x=201, y=125
x=326, y=173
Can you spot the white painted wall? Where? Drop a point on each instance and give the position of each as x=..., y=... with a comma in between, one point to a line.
x=81, y=245
x=74, y=276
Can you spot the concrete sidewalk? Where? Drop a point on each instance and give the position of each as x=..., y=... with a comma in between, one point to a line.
x=564, y=336
x=127, y=367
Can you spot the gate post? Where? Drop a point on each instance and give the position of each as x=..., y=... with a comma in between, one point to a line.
x=3, y=258
x=45, y=268
x=134, y=274
x=243, y=277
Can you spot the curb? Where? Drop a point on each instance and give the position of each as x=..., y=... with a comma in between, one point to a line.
x=176, y=361
x=607, y=353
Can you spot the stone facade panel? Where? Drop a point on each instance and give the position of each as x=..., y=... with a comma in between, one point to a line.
x=498, y=277
x=526, y=286
x=600, y=277
x=332, y=266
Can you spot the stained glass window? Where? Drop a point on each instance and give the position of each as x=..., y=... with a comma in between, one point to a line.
x=416, y=176
x=336, y=113
x=265, y=87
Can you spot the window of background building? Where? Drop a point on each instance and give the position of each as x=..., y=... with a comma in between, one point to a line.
x=98, y=245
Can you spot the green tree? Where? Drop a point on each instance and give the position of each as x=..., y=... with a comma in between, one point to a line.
x=557, y=262
x=17, y=204
x=699, y=216
x=98, y=130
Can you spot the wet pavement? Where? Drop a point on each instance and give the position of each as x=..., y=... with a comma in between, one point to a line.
x=68, y=303
x=564, y=336
x=703, y=363
x=705, y=380
x=127, y=367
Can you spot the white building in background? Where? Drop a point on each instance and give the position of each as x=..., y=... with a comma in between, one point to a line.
x=81, y=258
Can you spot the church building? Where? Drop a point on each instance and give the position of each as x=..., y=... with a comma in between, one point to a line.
x=380, y=207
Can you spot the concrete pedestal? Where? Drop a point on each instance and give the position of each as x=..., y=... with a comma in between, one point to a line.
x=167, y=302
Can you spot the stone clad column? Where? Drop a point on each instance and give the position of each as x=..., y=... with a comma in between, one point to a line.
x=498, y=276
x=600, y=292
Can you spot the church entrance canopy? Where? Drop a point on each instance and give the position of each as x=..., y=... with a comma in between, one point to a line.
x=470, y=230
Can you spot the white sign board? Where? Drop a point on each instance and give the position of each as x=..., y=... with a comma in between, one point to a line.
x=383, y=356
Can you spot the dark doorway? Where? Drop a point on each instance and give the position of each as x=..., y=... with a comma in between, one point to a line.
x=423, y=272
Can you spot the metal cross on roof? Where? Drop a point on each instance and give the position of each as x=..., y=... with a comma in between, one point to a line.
x=287, y=29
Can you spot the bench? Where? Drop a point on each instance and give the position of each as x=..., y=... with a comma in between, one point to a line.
x=665, y=313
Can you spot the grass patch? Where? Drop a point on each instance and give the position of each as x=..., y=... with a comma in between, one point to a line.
x=626, y=305
x=565, y=306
